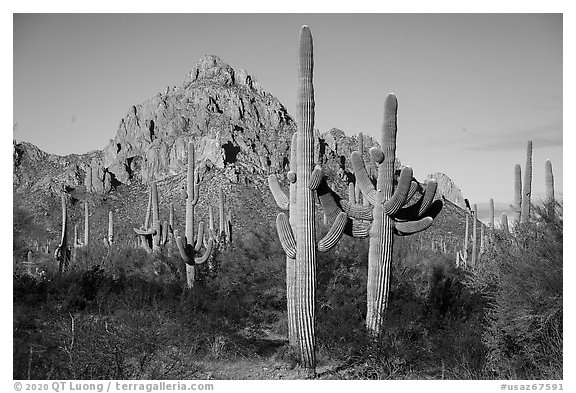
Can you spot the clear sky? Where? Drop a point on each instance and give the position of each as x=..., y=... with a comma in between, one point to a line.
x=472, y=88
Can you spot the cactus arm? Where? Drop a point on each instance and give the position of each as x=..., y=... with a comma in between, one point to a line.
x=351, y=193
x=196, y=187
x=362, y=178
x=414, y=187
x=418, y=209
x=207, y=253
x=316, y=177
x=404, y=228
x=398, y=198
x=376, y=155
x=144, y=231
x=286, y=235
x=357, y=211
x=358, y=229
x=334, y=234
x=200, y=237
x=181, y=247
x=279, y=196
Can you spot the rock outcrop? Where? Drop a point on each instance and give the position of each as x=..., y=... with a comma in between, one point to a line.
x=235, y=126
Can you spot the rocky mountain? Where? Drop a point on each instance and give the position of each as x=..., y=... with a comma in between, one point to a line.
x=241, y=134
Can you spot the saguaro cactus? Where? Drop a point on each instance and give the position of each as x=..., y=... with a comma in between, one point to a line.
x=62, y=253
x=517, y=206
x=463, y=255
x=391, y=213
x=549, y=180
x=527, y=186
x=491, y=214
x=156, y=231
x=108, y=241
x=86, y=224
x=187, y=246
x=298, y=236
x=474, y=235
x=504, y=222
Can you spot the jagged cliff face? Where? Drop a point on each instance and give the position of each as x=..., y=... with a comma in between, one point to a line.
x=448, y=189
x=235, y=125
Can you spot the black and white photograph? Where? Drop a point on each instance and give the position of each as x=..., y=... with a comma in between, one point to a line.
x=210, y=197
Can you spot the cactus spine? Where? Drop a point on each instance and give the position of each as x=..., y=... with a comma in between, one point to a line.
x=187, y=246
x=527, y=186
x=549, y=180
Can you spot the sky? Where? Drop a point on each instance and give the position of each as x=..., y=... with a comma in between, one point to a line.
x=472, y=88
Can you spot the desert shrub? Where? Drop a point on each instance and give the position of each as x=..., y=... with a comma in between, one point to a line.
x=522, y=280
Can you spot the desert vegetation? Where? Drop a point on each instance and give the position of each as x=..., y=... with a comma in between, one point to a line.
x=355, y=298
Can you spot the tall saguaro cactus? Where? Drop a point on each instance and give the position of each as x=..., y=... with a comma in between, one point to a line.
x=157, y=231
x=108, y=241
x=298, y=235
x=474, y=235
x=188, y=246
x=391, y=213
x=86, y=224
x=527, y=186
x=517, y=206
x=491, y=214
x=62, y=253
x=549, y=180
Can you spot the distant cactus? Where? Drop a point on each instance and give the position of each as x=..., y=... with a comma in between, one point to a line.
x=62, y=253
x=108, y=241
x=504, y=223
x=549, y=180
x=86, y=225
x=527, y=186
x=474, y=235
x=517, y=206
x=188, y=246
x=152, y=236
x=491, y=214
x=463, y=255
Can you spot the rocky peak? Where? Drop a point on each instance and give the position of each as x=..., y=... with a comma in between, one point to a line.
x=235, y=125
x=448, y=189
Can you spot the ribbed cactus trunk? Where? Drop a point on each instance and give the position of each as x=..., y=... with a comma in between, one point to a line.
x=466, y=235
x=191, y=200
x=357, y=191
x=549, y=180
x=491, y=214
x=61, y=252
x=291, y=262
x=155, y=217
x=517, y=207
x=221, y=212
x=504, y=222
x=382, y=231
x=110, y=228
x=305, y=224
x=86, y=224
x=527, y=186
x=474, y=235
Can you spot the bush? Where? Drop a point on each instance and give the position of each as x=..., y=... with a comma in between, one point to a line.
x=522, y=279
